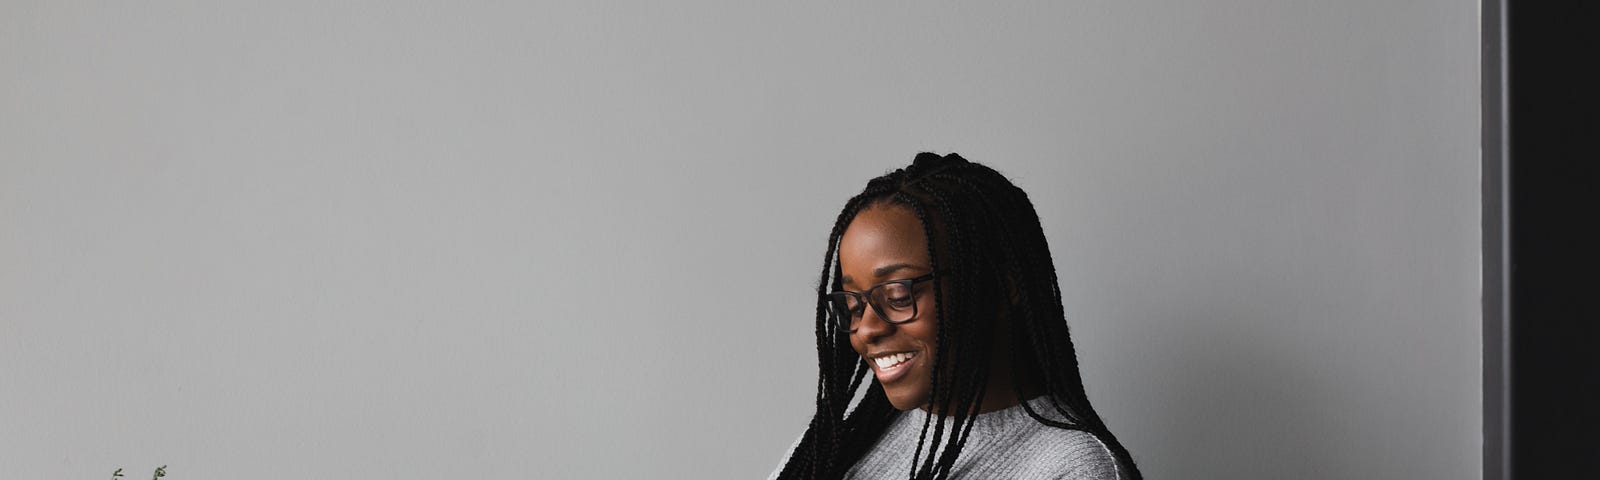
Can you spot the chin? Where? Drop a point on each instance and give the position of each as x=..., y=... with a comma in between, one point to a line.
x=906, y=400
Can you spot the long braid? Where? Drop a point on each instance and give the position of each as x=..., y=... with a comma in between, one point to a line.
x=964, y=283
x=938, y=309
x=1013, y=209
x=1023, y=217
x=979, y=347
x=944, y=354
x=830, y=357
x=964, y=383
x=1025, y=307
x=838, y=343
x=1077, y=399
x=825, y=346
x=825, y=422
x=1017, y=211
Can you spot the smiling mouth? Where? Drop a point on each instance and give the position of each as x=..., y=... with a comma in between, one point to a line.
x=892, y=366
x=894, y=360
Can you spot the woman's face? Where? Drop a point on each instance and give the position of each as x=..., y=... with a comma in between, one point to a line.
x=883, y=243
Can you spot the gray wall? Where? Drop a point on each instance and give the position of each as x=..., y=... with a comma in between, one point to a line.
x=397, y=240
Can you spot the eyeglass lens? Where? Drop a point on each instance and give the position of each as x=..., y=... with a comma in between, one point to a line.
x=892, y=301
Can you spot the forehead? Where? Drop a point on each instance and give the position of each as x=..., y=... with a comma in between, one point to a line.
x=878, y=236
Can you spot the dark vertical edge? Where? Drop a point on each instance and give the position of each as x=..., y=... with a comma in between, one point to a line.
x=1495, y=219
x=1552, y=245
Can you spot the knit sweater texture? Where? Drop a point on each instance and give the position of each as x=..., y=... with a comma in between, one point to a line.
x=1005, y=443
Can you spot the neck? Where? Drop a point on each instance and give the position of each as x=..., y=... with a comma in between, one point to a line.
x=1002, y=390
x=1000, y=394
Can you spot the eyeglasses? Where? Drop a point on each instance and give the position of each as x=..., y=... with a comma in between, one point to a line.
x=894, y=301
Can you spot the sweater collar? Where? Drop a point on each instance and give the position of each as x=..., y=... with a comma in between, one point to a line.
x=990, y=423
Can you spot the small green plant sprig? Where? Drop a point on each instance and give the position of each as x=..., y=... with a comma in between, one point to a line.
x=161, y=471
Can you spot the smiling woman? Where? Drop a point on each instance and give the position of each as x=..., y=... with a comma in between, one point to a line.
x=939, y=283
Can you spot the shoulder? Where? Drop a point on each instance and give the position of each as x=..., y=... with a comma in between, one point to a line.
x=1060, y=453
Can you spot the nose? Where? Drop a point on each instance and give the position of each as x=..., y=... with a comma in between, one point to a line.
x=873, y=326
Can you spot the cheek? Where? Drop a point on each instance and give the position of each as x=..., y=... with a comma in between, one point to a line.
x=858, y=344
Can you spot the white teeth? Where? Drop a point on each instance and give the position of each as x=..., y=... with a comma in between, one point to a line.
x=887, y=361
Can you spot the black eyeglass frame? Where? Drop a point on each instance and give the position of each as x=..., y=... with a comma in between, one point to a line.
x=865, y=298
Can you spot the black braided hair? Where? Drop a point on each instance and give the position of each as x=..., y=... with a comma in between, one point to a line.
x=984, y=232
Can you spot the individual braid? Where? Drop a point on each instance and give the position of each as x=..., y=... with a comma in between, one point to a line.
x=1018, y=280
x=978, y=347
x=821, y=423
x=839, y=342
x=947, y=353
x=825, y=423
x=938, y=465
x=1016, y=210
x=1022, y=215
x=944, y=355
x=980, y=283
x=939, y=309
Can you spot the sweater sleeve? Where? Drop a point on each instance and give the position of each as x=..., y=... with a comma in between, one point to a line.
x=1080, y=455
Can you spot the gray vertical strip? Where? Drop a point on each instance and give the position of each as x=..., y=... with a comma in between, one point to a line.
x=1496, y=243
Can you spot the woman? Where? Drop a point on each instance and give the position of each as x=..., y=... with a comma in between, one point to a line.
x=943, y=288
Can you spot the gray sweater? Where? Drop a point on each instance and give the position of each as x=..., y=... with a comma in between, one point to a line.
x=1006, y=444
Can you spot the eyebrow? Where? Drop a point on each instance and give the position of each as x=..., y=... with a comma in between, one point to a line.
x=882, y=271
